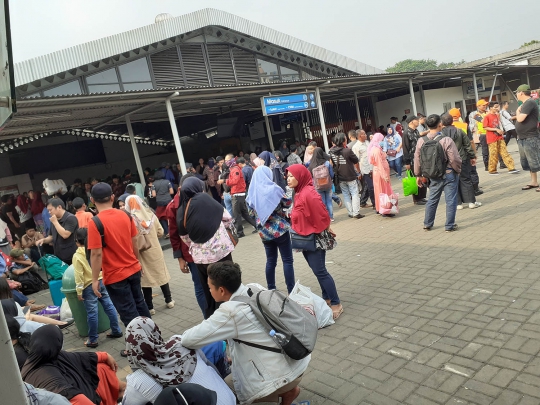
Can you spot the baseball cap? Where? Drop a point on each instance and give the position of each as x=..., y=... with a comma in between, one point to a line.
x=481, y=102
x=16, y=253
x=412, y=118
x=523, y=87
x=101, y=191
x=454, y=112
x=77, y=202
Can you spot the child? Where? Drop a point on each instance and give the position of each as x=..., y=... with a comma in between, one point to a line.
x=22, y=264
x=83, y=281
x=29, y=241
x=82, y=216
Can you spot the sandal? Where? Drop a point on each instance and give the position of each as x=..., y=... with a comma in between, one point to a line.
x=528, y=187
x=337, y=314
x=114, y=335
x=92, y=345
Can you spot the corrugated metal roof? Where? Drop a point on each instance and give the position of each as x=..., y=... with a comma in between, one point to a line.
x=79, y=55
x=530, y=53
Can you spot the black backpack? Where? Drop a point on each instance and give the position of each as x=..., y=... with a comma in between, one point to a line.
x=30, y=283
x=432, y=158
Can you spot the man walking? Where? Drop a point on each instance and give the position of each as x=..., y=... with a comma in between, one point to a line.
x=116, y=255
x=247, y=171
x=495, y=141
x=346, y=167
x=507, y=121
x=238, y=193
x=360, y=150
x=293, y=158
x=477, y=129
x=468, y=158
x=411, y=135
x=439, y=161
x=528, y=136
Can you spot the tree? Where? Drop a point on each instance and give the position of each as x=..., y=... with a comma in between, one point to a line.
x=534, y=41
x=415, y=65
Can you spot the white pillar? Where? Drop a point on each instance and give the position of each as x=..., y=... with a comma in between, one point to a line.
x=358, y=115
x=176, y=138
x=493, y=86
x=135, y=151
x=11, y=384
x=321, y=119
x=413, y=101
x=269, y=130
x=475, y=88
x=528, y=78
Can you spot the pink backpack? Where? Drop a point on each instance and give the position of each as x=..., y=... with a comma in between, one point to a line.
x=321, y=178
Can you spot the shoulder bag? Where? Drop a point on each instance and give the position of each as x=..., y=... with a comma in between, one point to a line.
x=301, y=242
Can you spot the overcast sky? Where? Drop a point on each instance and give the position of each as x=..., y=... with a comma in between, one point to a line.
x=377, y=32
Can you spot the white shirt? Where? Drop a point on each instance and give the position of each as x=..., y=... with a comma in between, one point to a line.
x=506, y=119
x=360, y=150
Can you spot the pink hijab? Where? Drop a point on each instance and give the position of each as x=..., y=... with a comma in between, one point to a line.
x=374, y=143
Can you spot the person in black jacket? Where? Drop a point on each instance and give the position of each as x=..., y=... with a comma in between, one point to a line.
x=410, y=138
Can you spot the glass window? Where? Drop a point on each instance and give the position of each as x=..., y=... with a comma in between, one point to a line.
x=138, y=86
x=65, y=89
x=103, y=88
x=268, y=71
x=107, y=76
x=136, y=71
x=289, y=74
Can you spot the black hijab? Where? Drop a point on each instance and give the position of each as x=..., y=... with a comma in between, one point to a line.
x=186, y=394
x=51, y=368
x=319, y=158
x=9, y=307
x=204, y=214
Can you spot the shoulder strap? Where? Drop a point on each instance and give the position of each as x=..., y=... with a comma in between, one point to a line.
x=185, y=213
x=101, y=230
x=256, y=346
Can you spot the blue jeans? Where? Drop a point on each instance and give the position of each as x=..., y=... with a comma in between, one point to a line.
x=449, y=184
x=128, y=298
x=316, y=261
x=327, y=201
x=19, y=297
x=199, y=292
x=227, y=201
x=350, y=196
x=91, y=304
x=397, y=165
x=283, y=243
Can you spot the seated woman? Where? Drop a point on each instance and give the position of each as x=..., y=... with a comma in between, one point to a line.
x=19, y=340
x=82, y=378
x=159, y=364
x=29, y=322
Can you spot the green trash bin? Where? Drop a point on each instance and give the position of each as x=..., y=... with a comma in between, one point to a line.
x=78, y=310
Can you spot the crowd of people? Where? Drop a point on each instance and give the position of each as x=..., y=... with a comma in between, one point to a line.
x=110, y=234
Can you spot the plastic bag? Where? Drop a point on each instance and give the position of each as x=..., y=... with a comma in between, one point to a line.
x=54, y=186
x=52, y=311
x=388, y=204
x=409, y=184
x=313, y=304
x=65, y=310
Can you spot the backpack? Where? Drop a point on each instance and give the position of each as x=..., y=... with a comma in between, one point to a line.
x=321, y=178
x=433, y=158
x=275, y=311
x=53, y=266
x=30, y=283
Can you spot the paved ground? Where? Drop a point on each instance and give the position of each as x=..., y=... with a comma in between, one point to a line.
x=430, y=317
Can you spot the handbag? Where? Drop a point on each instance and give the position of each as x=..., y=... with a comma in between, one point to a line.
x=391, y=152
x=143, y=242
x=409, y=184
x=301, y=242
x=231, y=232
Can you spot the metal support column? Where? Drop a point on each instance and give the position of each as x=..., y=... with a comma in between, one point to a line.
x=176, y=138
x=493, y=86
x=135, y=151
x=321, y=119
x=358, y=116
x=475, y=87
x=527, y=75
x=11, y=383
x=374, y=127
x=509, y=89
x=422, y=99
x=413, y=101
x=269, y=130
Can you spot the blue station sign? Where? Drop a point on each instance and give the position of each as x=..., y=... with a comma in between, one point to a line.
x=289, y=103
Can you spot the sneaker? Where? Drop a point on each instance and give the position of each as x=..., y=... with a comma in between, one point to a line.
x=427, y=228
x=475, y=205
x=170, y=304
x=494, y=173
x=421, y=202
x=453, y=229
x=332, y=220
x=359, y=216
x=515, y=171
x=152, y=311
x=459, y=207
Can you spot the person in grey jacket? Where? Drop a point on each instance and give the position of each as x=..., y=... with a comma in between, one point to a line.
x=257, y=374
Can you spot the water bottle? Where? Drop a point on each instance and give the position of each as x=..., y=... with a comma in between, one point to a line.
x=279, y=338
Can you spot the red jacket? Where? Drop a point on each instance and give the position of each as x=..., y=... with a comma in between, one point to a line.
x=236, y=180
x=180, y=249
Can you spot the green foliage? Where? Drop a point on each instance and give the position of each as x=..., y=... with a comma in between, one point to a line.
x=534, y=41
x=415, y=65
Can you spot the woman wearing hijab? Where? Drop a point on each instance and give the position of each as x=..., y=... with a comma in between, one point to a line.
x=19, y=340
x=187, y=394
x=202, y=224
x=277, y=174
x=309, y=152
x=29, y=322
x=381, y=169
x=393, y=141
x=23, y=209
x=159, y=363
x=309, y=216
x=279, y=157
x=284, y=149
x=155, y=272
x=208, y=175
x=319, y=159
x=266, y=202
x=82, y=378
x=37, y=206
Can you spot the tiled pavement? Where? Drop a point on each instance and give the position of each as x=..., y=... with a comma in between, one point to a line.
x=430, y=317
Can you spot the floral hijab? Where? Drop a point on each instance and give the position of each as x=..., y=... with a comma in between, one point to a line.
x=142, y=214
x=168, y=362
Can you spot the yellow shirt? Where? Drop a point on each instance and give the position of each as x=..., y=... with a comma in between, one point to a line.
x=83, y=271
